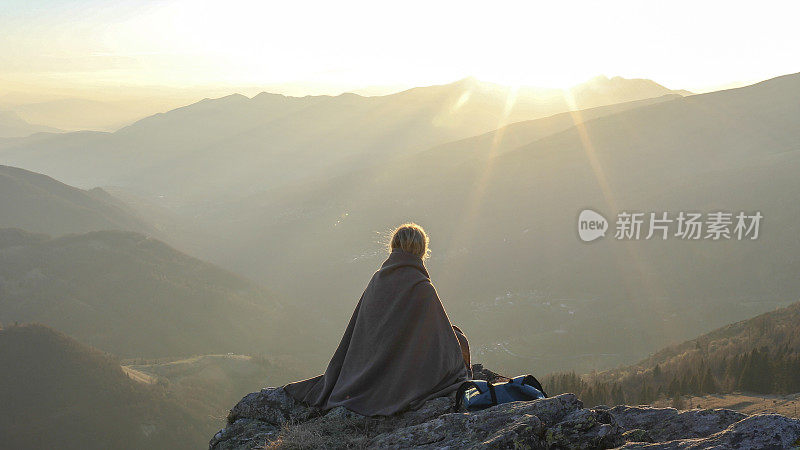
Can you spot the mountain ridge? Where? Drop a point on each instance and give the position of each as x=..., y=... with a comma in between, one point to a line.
x=39, y=203
x=12, y=125
x=135, y=296
x=241, y=144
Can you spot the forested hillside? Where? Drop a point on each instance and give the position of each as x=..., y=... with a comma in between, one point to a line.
x=759, y=355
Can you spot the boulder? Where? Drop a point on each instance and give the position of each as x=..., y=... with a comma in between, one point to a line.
x=270, y=405
x=757, y=431
x=270, y=418
x=664, y=423
x=503, y=426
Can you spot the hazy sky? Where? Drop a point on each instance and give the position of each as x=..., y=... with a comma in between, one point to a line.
x=694, y=44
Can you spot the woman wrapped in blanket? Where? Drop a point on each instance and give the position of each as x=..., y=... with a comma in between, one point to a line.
x=399, y=349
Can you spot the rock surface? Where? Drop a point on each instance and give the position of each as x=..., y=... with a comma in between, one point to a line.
x=272, y=419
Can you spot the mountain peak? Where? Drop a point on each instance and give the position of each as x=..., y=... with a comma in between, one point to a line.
x=264, y=95
x=230, y=98
x=618, y=87
x=602, y=78
x=470, y=80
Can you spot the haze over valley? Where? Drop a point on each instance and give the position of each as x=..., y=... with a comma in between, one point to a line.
x=220, y=246
x=234, y=181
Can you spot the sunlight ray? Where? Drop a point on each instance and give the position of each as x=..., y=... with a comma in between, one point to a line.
x=645, y=272
x=465, y=227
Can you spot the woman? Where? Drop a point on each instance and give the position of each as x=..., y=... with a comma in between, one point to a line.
x=399, y=349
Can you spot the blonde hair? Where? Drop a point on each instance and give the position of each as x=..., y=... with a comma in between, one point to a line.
x=410, y=238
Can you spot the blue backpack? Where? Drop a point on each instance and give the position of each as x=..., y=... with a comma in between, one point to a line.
x=479, y=394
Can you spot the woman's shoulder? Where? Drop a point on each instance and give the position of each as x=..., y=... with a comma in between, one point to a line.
x=417, y=276
x=423, y=288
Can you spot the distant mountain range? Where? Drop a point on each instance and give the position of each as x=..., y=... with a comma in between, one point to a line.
x=75, y=114
x=135, y=296
x=215, y=149
x=11, y=125
x=602, y=90
x=58, y=393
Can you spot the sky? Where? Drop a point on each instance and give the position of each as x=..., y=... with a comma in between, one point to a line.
x=345, y=45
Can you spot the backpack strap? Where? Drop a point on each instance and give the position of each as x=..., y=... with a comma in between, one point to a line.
x=463, y=389
x=530, y=380
x=492, y=393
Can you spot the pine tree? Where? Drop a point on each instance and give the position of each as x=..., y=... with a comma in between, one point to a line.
x=674, y=387
x=646, y=394
x=617, y=395
x=708, y=385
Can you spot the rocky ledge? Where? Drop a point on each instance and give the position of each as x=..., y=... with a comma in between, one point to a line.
x=272, y=419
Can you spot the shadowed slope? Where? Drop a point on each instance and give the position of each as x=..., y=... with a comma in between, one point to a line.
x=38, y=203
x=135, y=296
x=57, y=393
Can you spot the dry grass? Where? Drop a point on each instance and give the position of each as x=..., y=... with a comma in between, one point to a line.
x=329, y=433
x=787, y=405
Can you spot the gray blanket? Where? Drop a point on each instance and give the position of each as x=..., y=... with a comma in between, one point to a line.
x=398, y=351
